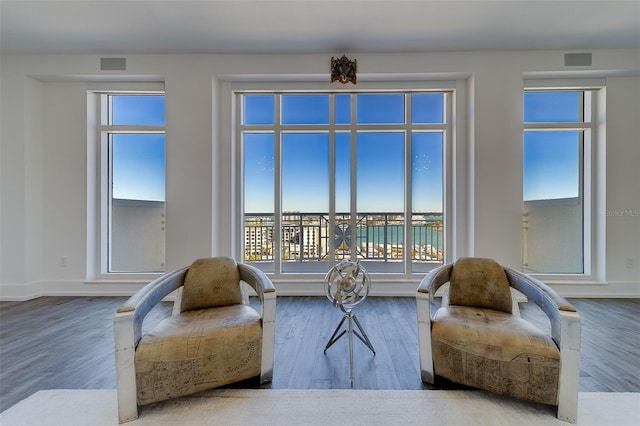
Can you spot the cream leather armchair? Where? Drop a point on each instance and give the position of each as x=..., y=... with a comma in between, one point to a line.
x=477, y=337
x=212, y=338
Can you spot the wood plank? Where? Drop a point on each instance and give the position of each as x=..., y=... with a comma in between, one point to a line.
x=67, y=342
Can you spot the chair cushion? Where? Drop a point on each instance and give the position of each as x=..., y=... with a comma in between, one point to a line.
x=198, y=350
x=496, y=351
x=211, y=282
x=480, y=283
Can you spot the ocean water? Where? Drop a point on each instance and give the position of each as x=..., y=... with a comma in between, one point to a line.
x=422, y=235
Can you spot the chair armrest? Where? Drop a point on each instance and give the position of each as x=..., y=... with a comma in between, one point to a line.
x=267, y=294
x=435, y=279
x=149, y=296
x=424, y=297
x=565, y=331
x=556, y=307
x=127, y=330
x=265, y=290
x=256, y=279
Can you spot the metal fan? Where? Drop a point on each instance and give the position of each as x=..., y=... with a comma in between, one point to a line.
x=346, y=285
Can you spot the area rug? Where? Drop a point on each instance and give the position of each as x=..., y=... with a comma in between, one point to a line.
x=317, y=407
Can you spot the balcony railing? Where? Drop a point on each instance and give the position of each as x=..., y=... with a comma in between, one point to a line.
x=378, y=236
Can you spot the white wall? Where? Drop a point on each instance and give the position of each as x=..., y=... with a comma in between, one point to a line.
x=44, y=197
x=623, y=180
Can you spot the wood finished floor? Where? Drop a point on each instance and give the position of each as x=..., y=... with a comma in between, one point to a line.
x=67, y=343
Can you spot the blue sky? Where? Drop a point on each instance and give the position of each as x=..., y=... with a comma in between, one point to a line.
x=139, y=166
x=551, y=158
x=380, y=155
x=138, y=159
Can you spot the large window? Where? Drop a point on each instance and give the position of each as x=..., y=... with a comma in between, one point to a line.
x=133, y=182
x=330, y=176
x=558, y=136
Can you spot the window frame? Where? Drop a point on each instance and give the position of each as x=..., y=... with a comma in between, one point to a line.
x=448, y=88
x=99, y=188
x=591, y=190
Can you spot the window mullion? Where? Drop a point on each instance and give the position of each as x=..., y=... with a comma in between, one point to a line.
x=277, y=173
x=353, y=197
x=105, y=197
x=408, y=185
x=447, y=179
x=109, y=110
x=132, y=129
x=109, y=191
x=588, y=157
x=554, y=126
x=332, y=181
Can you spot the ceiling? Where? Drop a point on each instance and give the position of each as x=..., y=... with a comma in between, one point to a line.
x=314, y=26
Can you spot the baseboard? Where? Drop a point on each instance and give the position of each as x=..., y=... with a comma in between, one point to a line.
x=595, y=290
x=22, y=292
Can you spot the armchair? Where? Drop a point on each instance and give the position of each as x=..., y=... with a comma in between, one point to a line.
x=477, y=337
x=212, y=338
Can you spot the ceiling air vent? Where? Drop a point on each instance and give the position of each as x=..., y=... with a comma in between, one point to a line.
x=113, y=64
x=577, y=59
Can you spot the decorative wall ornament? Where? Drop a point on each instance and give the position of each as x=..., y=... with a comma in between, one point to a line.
x=344, y=70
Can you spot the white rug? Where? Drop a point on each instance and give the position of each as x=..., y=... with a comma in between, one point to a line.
x=318, y=407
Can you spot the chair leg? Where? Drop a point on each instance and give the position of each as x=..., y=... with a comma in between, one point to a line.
x=126, y=387
x=568, y=402
x=568, y=412
x=127, y=407
x=125, y=367
x=268, y=337
x=569, y=367
x=423, y=307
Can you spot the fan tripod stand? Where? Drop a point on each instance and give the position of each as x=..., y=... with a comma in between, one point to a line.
x=351, y=331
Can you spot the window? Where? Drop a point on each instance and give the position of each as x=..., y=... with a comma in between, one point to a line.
x=133, y=182
x=557, y=180
x=331, y=176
